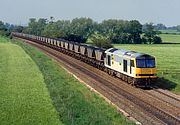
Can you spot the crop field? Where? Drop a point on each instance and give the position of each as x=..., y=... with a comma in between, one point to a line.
x=167, y=58
x=170, y=38
x=24, y=98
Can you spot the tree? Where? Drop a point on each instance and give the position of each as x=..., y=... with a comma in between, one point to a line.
x=122, y=38
x=36, y=27
x=157, y=40
x=150, y=35
x=80, y=29
x=2, y=26
x=3, y=29
x=113, y=27
x=101, y=41
x=51, y=19
x=178, y=28
x=122, y=31
x=135, y=29
x=160, y=26
x=57, y=29
x=149, y=32
x=41, y=23
x=18, y=29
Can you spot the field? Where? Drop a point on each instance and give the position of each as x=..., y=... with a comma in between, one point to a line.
x=167, y=57
x=36, y=90
x=24, y=98
x=170, y=31
x=170, y=38
x=76, y=104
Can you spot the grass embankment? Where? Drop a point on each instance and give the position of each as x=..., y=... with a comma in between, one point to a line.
x=75, y=103
x=167, y=57
x=24, y=98
x=170, y=38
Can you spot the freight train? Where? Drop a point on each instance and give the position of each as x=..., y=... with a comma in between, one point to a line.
x=135, y=68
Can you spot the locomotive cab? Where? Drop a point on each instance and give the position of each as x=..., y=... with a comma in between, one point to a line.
x=145, y=66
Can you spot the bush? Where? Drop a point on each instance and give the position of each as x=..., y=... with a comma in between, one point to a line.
x=101, y=41
x=121, y=39
x=157, y=40
x=152, y=40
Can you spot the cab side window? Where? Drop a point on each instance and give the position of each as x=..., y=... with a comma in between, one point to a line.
x=132, y=63
x=109, y=60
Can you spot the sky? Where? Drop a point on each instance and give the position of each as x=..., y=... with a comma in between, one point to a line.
x=156, y=11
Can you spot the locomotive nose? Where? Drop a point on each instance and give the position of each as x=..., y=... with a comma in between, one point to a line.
x=148, y=70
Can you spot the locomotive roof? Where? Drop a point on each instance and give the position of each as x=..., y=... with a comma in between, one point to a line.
x=128, y=53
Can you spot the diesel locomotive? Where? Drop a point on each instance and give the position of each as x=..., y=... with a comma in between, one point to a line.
x=133, y=67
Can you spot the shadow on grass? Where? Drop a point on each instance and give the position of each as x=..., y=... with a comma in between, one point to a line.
x=165, y=84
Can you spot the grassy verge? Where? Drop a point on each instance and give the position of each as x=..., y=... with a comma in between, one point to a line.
x=24, y=98
x=75, y=104
x=167, y=57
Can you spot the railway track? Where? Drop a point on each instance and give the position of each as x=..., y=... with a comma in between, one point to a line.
x=166, y=93
x=165, y=96
x=122, y=95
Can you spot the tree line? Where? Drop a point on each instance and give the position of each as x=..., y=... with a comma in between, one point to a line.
x=161, y=26
x=6, y=28
x=85, y=29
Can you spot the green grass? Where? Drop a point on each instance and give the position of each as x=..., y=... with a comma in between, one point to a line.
x=75, y=103
x=24, y=98
x=168, y=59
x=170, y=31
x=170, y=38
